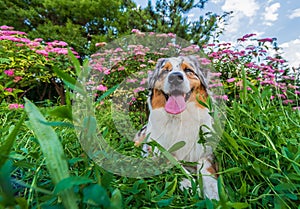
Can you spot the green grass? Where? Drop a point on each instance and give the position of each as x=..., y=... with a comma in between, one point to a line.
x=258, y=157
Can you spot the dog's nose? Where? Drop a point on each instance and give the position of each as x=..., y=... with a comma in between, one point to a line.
x=175, y=78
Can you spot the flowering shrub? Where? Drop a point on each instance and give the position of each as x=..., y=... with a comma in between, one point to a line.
x=128, y=61
x=26, y=66
x=261, y=66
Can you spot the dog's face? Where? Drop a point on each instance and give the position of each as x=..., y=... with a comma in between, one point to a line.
x=175, y=82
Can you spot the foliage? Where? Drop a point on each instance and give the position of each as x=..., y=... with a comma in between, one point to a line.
x=26, y=66
x=84, y=23
x=260, y=63
x=250, y=63
x=258, y=159
x=73, y=21
x=171, y=17
x=258, y=152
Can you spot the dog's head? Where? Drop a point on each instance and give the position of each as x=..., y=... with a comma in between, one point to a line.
x=175, y=82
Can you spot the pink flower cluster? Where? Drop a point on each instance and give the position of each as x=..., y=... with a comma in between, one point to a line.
x=259, y=66
x=56, y=47
x=15, y=106
x=18, y=42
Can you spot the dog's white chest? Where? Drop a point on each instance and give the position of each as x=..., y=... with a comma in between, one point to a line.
x=168, y=129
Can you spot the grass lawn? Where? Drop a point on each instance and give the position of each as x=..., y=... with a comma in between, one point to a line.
x=258, y=158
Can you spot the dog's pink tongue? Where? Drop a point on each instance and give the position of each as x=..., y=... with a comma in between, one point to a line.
x=175, y=104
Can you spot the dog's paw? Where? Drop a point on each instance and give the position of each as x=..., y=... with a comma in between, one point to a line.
x=185, y=184
x=210, y=187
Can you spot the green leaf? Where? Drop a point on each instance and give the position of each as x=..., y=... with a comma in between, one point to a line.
x=52, y=150
x=6, y=190
x=96, y=195
x=90, y=123
x=209, y=204
x=75, y=62
x=107, y=93
x=231, y=140
x=164, y=203
x=70, y=182
x=177, y=146
x=232, y=170
x=172, y=187
x=9, y=141
x=285, y=186
x=116, y=199
x=238, y=205
x=64, y=112
x=61, y=124
x=69, y=81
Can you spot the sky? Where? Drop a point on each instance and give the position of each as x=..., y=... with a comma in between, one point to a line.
x=267, y=18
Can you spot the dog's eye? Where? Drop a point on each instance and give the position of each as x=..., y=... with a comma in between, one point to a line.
x=165, y=71
x=189, y=71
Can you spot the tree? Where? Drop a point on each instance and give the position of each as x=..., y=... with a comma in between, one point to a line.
x=82, y=23
x=74, y=21
x=171, y=16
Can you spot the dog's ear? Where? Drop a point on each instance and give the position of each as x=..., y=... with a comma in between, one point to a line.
x=153, y=76
x=201, y=72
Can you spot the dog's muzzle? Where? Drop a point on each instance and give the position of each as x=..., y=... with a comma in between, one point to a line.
x=176, y=97
x=175, y=78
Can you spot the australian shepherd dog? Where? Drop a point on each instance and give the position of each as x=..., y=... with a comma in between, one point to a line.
x=175, y=87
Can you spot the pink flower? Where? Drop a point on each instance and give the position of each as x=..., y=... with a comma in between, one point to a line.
x=250, y=65
x=121, y=68
x=281, y=96
x=9, y=89
x=107, y=72
x=144, y=80
x=230, y=80
x=143, y=65
x=17, y=79
x=287, y=101
x=215, y=85
x=205, y=61
x=15, y=106
x=265, y=40
x=131, y=80
x=172, y=35
x=249, y=35
x=38, y=40
x=101, y=87
x=100, y=44
x=42, y=52
x=223, y=97
x=272, y=97
x=271, y=75
x=140, y=53
x=296, y=108
x=5, y=27
x=9, y=72
x=216, y=74
x=118, y=50
x=135, y=31
x=138, y=89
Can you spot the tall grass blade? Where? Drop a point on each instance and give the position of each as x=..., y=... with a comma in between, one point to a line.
x=52, y=150
x=9, y=142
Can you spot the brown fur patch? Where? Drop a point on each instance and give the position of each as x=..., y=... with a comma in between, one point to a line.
x=168, y=66
x=199, y=92
x=185, y=65
x=158, y=99
x=212, y=170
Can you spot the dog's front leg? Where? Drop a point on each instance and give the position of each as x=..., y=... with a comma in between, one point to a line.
x=210, y=182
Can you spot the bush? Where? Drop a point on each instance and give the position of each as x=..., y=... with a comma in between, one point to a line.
x=26, y=67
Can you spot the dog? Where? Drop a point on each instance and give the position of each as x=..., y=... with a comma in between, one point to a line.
x=175, y=86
